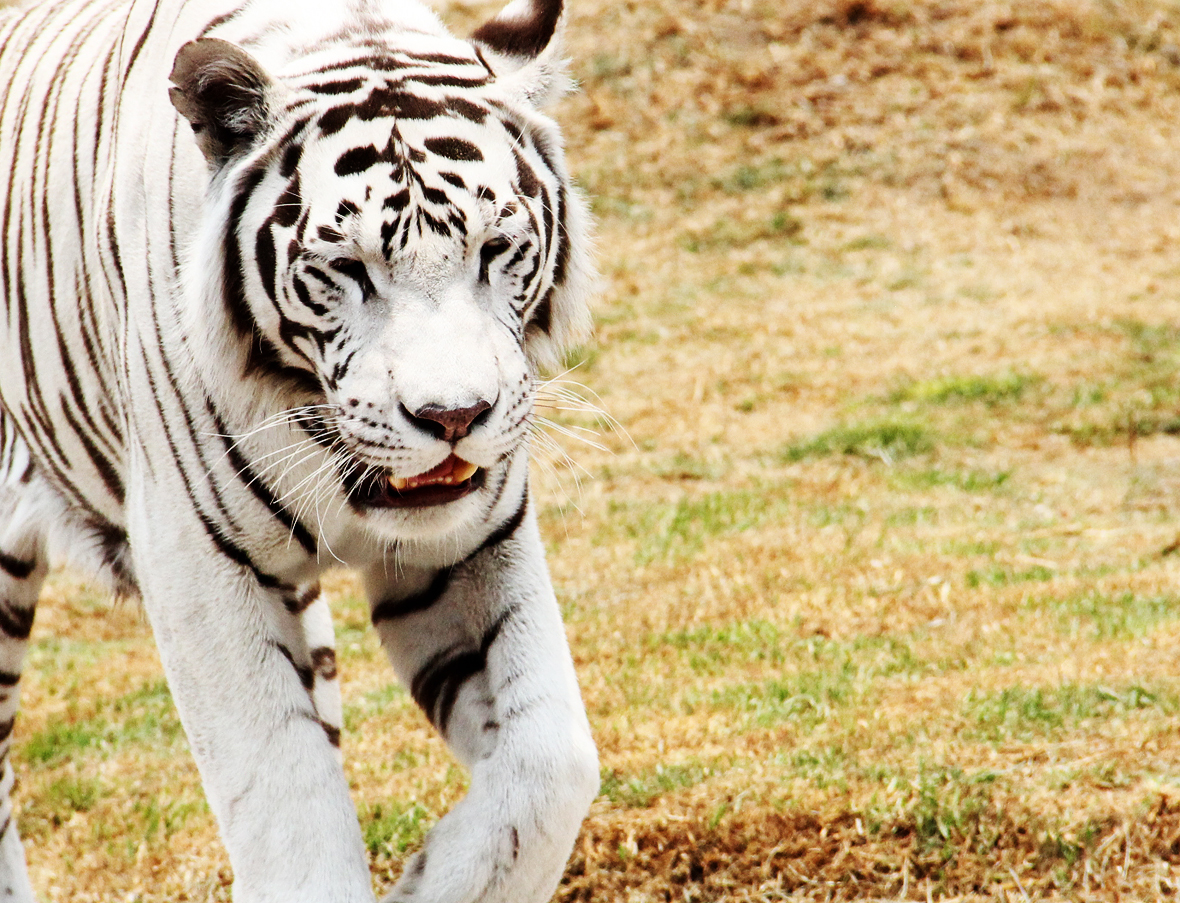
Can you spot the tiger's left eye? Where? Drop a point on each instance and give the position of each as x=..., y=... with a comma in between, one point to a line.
x=491, y=249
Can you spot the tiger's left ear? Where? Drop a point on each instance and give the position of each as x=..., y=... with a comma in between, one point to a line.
x=521, y=46
x=224, y=93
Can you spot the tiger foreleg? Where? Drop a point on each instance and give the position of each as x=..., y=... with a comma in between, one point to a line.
x=23, y=566
x=242, y=667
x=483, y=650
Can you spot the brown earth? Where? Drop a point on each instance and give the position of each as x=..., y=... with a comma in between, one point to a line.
x=872, y=593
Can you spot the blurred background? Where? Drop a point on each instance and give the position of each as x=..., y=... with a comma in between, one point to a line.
x=869, y=563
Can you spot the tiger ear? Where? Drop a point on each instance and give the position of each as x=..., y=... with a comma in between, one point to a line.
x=225, y=95
x=520, y=46
x=522, y=29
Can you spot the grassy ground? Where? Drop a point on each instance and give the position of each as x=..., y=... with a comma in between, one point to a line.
x=877, y=596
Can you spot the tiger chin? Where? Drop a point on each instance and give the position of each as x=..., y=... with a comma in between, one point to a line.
x=278, y=279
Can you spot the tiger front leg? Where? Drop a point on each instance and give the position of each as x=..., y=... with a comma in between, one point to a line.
x=482, y=648
x=23, y=567
x=239, y=649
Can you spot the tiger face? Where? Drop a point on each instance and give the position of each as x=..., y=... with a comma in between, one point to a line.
x=404, y=228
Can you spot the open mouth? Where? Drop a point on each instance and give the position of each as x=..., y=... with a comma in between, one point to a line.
x=450, y=480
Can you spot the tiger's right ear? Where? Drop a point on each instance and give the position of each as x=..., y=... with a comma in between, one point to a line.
x=225, y=95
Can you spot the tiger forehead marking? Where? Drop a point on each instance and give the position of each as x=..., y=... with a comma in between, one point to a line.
x=406, y=166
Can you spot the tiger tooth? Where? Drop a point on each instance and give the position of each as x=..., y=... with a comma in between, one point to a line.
x=398, y=483
x=463, y=471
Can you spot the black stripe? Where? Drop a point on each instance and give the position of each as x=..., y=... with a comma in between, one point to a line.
x=443, y=58
x=442, y=669
x=306, y=675
x=17, y=623
x=219, y=21
x=289, y=205
x=323, y=662
x=106, y=469
x=454, y=149
x=526, y=179
x=214, y=531
x=142, y=39
x=336, y=119
x=391, y=609
x=247, y=475
x=384, y=104
x=437, y=684
x=357, y=160
x=396, y=201
x=339, y=87
x=233, y=285
x=561, y=266
x=266, y=259
x=447, y=81
x=542, y=316
x=462, y=669
x=15, y=567
x=508, y=528
x=297, y=604
x=332, y=731
x=472, y=112
x=9, y=678
x=435, y=196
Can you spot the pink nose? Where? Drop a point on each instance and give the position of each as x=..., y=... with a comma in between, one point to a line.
x=448, y=424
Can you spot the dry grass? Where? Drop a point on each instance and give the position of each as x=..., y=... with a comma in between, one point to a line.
x=880, y=600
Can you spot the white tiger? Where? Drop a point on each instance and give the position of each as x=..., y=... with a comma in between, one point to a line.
x=278, y=276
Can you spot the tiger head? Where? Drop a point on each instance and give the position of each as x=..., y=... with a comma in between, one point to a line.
x=400, y=248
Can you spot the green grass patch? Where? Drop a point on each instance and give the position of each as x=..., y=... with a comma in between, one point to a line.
x=1111, y=616
x=62, y=740
x=947, y=807
x=712, y=649
x=753, y=176
x=937, y=478
x=728, y=233
x=73, y=794
x=884, y=440
x=870, y=242
x=998, y=576
x=950, y=389
x=641, y=790
x=146, y=716
x=681, y=529
x=163, y=818
x=51, y=806
x=805, y=698
x=685, y=467
x=389, y=829
x=1140, y=397
x=751, y=116
x=1026, y=713
x=374, y=703
x=1151, y=339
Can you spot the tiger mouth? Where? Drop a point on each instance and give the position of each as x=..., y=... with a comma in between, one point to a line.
x=448, y=482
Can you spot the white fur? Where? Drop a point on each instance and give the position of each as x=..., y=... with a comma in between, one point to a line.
x=237, y=649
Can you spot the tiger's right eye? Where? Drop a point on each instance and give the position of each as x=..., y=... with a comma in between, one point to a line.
x=357, y=272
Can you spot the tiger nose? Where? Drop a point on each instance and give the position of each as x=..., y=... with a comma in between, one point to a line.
x=448, y=424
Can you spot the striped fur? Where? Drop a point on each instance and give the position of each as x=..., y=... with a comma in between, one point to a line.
x=277, y=278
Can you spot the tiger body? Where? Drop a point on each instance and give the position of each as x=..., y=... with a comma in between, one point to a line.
x=284, y=315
